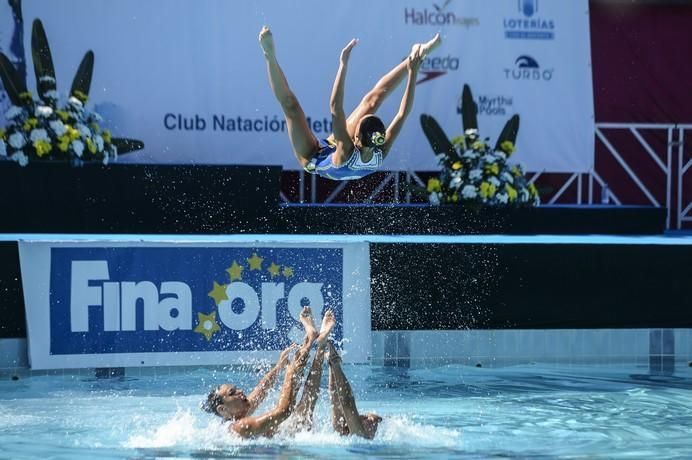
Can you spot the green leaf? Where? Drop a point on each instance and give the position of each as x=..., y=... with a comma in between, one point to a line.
x=509, y=132
x=43, y=61
x=439, y=141
x=82, y=80
x=469, y=110
x=126, y=145
x=11, y=80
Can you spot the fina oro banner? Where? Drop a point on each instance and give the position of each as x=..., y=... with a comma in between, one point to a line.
x=189, y=79
x=115, y=305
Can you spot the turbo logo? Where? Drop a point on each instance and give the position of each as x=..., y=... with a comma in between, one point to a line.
x=527, y=68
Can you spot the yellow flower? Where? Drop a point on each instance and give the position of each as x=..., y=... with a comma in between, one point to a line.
x=511, y=192
x=63, y=115
x=457, y=165
x=106, y=136
x=532, y=189
x=478, y=145
x=507, y=147
x=455, y=198
x=516, y=171
x=458, y=141
x=95, y=127
x=492, y=169
x=42, y=147
x=91, y=145
x=81, y=96
x=433, y=185
x=63, y=142
x=25, y=96
x=72, y=133
x=487, y=190
x=30, y=124
x=2, y=133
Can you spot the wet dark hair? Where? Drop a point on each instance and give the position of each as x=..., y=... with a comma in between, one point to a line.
x=372, y=131
x=214, y=400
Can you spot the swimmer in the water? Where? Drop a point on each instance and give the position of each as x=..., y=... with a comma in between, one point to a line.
x=359, y=143
x=230, y=402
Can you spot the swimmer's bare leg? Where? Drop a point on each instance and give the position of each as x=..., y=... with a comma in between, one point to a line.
x=361, y=425
x=304, y=351
x=384, y=87
x=338, y=419
x=306, y=406
x=303, y=141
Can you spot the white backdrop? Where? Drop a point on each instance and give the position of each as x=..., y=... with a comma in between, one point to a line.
x=161, y=61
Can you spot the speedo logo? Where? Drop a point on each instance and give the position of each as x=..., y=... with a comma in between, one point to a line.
x=437, y=66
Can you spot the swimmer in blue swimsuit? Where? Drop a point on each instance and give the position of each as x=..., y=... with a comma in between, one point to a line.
x=359, y=143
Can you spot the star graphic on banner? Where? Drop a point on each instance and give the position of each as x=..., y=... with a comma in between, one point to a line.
x=218, y=293
x=255, y=262
x=235, y=271
x=287, y=272
x=207, y=324
x=274, y=269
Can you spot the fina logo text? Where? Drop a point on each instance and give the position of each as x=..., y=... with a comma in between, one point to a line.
x=527, y=68
x=529, y=26
x=437, y=16
x=169, y=307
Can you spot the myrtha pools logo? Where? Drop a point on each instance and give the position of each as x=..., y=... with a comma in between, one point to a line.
x=527, y=24
x=168, y=299
x=527, y=68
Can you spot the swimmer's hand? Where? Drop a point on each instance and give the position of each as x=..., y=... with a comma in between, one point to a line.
x=346, y=52
x=415, y=59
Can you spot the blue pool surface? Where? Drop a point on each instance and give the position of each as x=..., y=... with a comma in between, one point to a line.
x=528, y=411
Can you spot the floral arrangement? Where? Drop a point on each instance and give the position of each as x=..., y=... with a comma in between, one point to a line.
x=44, y=128
x=473, y=171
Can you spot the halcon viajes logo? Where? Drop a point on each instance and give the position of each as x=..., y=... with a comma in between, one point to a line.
x=438, y=15
x=527, y=68
x=528, y=24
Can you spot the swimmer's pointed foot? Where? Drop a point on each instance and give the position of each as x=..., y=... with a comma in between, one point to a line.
x=429, y=47
x=266, y=41
x=328, y=322
x=309, y=324
x=370, y=423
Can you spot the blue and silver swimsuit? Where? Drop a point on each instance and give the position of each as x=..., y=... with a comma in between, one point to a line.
x=354, y=168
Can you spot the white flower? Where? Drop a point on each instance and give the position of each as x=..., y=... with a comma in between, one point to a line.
x=43, y=111
x=501, y=155
x=502, y=198
x=471, y=132
x=105, y=160
x=3, y=148
x=20, y=158
x=47, y=79
x=434, y=198
x=78, y=147
x=17, y=140
x=13, y=112
x=524, y=195
x=74, y=101
x=469, y=191
x=39, y=135
x=469, y=154
x=99, y=142
x=84, y=130
x=508, y=177
x=455, y=182
x=475, y=174
x=97, y=117
x=489, y=158
x=58, y=127
x=114, y=152
x=494, y=180
x=52, y=94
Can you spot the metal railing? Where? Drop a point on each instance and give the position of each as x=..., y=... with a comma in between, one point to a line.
x=674, y=169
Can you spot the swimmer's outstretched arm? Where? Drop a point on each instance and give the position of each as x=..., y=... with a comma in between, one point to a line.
x=344, y=144
x=414, y=62
x=259, y=393
x=266, y=424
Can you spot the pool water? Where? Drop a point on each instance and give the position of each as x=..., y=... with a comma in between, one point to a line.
x=452, y=411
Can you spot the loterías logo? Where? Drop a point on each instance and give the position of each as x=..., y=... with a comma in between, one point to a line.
x=174, y=299
x=527, y=24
